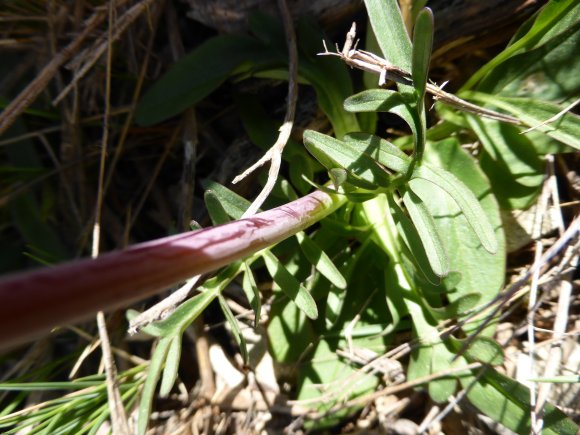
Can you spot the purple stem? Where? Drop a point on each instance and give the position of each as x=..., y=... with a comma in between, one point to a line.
x=32, y=302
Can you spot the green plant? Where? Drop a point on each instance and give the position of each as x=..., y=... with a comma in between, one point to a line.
x=421, y=232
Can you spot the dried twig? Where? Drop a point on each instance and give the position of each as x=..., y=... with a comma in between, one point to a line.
x=118, y=416
x=372, y=63
x=553, y=118
x=34, y=88
x=274, y=154
x=101, y=45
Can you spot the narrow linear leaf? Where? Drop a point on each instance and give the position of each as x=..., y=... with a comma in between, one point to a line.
x=236, y=331
x=252, y=292
x=318, y=258
x=427, y=232
x=171, y=366
x=508, y=402
x=411, y=239
x=155, y=367
x=290, y=285
x=217, y=212
x=422, y=46
x=464, y=198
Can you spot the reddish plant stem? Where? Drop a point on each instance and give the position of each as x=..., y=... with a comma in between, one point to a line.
x=33, y=302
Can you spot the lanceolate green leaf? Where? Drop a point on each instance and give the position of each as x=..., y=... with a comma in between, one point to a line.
x=428, y=233
x=155, y=367
x=318, y=258
x=231, y=202
x=387, y=23
x=233, y=322
x=384, y=100
x=199, y=73
x=216, y=211
x=478, y=270
x=171, y=366
x=464, y=198
x=413, y=246
x=380, y=150
x=333, y=153
x=422, y=46
x=252, y=292
x=290, y=285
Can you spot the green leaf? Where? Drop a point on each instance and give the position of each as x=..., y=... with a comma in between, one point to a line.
x=441, y=360
x=200, y=72
x=290, y=285
x=233, y=322
x=380, y=150
x=534, y=112
x=318, y=258
x=479, y=271
x=232, y=203
x=482, y=349
x=171, y=366
x=463, y=197
x=290, y=332
x=544, y=22
x=546, y=72
x=252, y=292
x=333, y=153
x=508, y=402
x=384, y=100
x=217, y=213
x=186, y=312
x=389, y=29
x=155, y=367
x=412, y=246
x=510, y=161
x=338, y=176
x=422, y=46
x=427, y=232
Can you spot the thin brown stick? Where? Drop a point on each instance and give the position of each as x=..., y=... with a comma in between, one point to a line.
x=274, y=154
x=101, y=45
x=372, y=63
x=34, y=88
x=118, y=416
